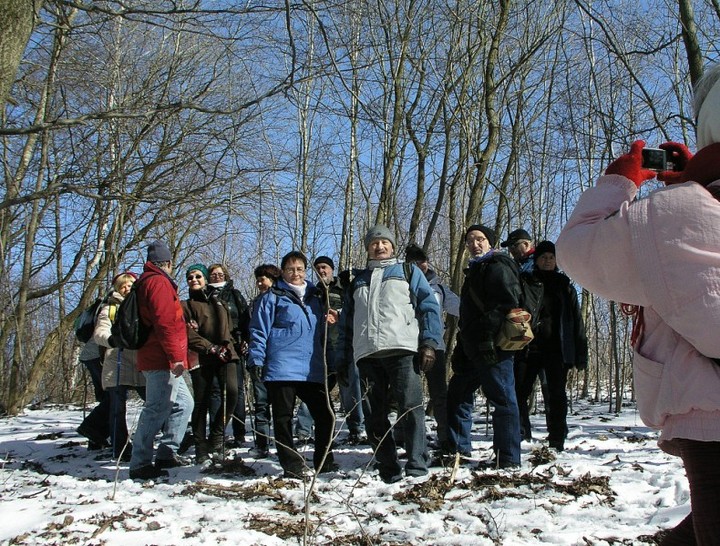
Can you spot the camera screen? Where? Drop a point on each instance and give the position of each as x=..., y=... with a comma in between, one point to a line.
x=654, y=159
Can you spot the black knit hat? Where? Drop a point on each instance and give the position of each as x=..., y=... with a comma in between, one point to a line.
x=413, y=253
x=543, y=247
x=324, y=260
x=515, y=236
x=489, y=233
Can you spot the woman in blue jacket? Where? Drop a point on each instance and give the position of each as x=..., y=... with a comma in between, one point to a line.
x=286, y=350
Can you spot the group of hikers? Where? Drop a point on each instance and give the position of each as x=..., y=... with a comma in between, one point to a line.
x=378, y=330
x=375, y=332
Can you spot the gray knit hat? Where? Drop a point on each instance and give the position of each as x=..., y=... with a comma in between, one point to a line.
x=158, y=252
x=379, y=232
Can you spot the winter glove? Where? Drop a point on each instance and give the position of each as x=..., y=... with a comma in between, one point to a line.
x=629, y=165
x=679, y=155
x=177, y=368
x=426, y=358
x=220, y=351
x=255, y=373
x=703, y=167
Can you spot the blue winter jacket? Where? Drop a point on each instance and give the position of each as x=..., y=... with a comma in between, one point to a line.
x=286, y=335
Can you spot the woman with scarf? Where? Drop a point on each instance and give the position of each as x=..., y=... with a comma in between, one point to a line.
x=222, y=286
x=119, y=369
x=286, y=350
x=209, y=328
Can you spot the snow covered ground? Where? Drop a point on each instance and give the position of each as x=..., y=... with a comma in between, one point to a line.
x=611, y=486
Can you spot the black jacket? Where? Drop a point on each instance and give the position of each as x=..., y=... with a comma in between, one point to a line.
x=239, y=310
x=561, y=327
x=491, y=289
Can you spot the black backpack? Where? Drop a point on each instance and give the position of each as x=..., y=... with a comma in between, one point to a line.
x=128, y=330
x=85, y=323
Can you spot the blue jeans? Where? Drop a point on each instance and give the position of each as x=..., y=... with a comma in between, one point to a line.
x=168, y=402
x=498, y=386
x=395, y=377
x=351, y=401
x=303, y=422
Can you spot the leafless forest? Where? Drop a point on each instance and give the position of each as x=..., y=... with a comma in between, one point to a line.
x=238, y=131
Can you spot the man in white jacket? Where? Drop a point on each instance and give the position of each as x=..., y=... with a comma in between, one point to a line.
x=390, y=318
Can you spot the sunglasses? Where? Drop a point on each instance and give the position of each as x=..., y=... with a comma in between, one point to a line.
x=195, y=277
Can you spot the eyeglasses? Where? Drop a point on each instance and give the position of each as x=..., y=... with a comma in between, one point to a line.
x=195, y=277
x=218, y=274
x=294, y=270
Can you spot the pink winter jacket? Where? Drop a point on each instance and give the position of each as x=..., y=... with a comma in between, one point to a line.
x=661, y=252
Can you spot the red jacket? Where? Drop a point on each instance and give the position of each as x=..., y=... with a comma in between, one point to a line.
x=160, y=307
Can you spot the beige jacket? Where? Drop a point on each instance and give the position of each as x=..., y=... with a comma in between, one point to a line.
x=115, y=373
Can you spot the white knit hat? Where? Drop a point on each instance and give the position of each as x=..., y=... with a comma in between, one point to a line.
x=708, y=125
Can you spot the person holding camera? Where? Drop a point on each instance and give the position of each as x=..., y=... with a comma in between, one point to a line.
x=661, y=254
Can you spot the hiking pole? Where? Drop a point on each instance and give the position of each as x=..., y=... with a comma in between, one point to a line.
x=84, y=404
x=253, y=417
x=224, y=412
x=113, y=404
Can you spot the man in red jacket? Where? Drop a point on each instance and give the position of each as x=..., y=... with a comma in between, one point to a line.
x=162, y=360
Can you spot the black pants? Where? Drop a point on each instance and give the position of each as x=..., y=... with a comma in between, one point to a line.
x=96, y=422
x=202, y=380
x=239, y=413
x=702, y=526
x=527, y=370
x=282, y=399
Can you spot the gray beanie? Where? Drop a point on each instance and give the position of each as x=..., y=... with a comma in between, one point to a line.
x=379, y=232
x=158, y=252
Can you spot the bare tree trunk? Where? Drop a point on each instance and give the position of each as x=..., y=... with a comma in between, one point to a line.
x=692, y=46
x=17, y=19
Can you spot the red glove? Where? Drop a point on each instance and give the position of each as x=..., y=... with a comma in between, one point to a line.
x=679, y=155
x=629, y=165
